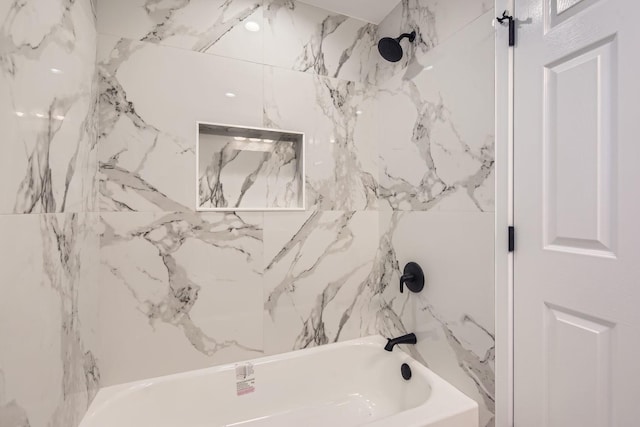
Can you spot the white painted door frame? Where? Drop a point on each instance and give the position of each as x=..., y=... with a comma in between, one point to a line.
x=504, y=218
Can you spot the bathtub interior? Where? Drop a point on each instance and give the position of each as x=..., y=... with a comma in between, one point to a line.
x=347, y=384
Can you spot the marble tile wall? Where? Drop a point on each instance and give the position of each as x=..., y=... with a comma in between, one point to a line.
x=49, y=244
x=196, y=289
x=399, y=168
x=453, y=317
x=316, y=265
x=436, y=188
x=48, y=369
x=179, y=290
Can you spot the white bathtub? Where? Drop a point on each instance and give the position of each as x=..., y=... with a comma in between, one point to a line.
x=352, y=383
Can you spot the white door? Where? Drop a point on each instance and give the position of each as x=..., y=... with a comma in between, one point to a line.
x=577, y=213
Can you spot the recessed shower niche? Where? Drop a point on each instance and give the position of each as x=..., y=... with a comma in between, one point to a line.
x=250, y=169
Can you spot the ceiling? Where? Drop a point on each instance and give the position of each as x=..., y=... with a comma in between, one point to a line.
x=372, y=11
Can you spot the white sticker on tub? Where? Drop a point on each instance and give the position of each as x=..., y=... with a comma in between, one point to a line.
x=245, y=379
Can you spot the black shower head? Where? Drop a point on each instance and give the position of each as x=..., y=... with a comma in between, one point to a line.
x=390, y=48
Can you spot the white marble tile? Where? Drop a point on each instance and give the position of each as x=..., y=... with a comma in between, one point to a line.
x=47, y=107
x=48, y=165
x=439, y=152
x=301, y=37
x=207, y=26
x=338, y=119
x=288, y=34
x=48, y=372
x=317, y=265
x=179, y=291
x=151, y=98
x=453, y=316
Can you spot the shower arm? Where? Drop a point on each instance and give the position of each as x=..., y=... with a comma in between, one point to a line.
x=411, y=36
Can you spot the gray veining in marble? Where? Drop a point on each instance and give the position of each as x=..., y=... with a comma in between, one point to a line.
x=188, y=273
x=315, y=262
x=51, y=165
x=49, y=246
x=165, y=27
x=66, y=240
x=213, y=27
x=115, y=107
x=51, y=284
x=338, y=123
x=324, y=43
x=440, y=152
x=431, y=189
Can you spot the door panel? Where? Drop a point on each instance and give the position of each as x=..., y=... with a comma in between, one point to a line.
x=577, y=213
x=578, y=205
x=577, y=389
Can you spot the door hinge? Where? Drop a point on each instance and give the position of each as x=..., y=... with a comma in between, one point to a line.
x=512, y=238
x=512, y=26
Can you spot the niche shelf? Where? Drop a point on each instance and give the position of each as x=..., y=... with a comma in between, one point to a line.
x=249, y=169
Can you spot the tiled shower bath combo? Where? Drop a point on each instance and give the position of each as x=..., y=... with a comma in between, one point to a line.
x=124, y=277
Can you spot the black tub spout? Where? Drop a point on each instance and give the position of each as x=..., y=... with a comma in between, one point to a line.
x=405, y=339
